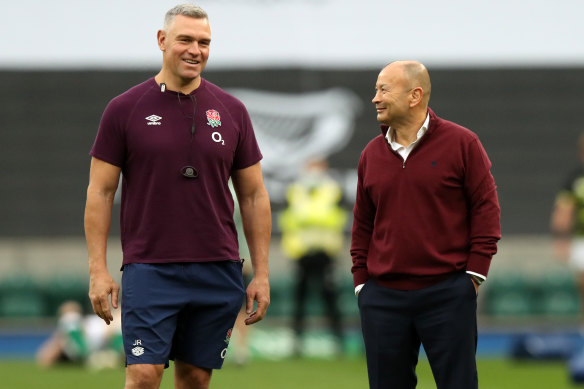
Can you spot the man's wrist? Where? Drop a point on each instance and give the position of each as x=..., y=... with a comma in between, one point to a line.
x=97, y=267
x=477, y=280
x=261, y=274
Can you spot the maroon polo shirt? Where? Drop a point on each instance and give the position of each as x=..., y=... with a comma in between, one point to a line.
x=167, y=214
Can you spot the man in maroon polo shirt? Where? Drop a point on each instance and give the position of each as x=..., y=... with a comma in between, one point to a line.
x=426, y=225
x=177, y=139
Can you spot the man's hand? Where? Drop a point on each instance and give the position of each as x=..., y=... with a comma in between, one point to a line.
x=475, y=285
x=258, y=290
x=101, y=285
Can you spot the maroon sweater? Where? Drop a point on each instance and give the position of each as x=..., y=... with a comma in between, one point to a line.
x=416, y=223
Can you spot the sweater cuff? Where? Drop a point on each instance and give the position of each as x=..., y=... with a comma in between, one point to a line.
x=360, y=277
x=478, y=264
x=472, y=273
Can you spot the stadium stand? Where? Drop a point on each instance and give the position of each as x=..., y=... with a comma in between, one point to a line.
x=20, y=296
x=23, y=296
x=65, y=287
x=553, y=293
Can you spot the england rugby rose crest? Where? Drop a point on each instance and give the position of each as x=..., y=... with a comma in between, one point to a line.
x=228, y=338
x=213, y=118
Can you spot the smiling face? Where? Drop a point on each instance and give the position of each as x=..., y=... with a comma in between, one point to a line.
x=392, y=95
x=185, y=45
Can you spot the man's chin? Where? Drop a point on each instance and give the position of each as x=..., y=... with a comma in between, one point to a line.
x=191, y=74
x=381, y=119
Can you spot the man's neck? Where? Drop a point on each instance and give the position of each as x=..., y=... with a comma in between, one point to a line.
x=177, y=84
x=407, y=133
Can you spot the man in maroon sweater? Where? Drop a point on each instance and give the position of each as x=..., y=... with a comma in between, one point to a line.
x=426, y=225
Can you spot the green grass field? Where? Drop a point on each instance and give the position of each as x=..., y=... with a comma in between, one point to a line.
x=288, y=374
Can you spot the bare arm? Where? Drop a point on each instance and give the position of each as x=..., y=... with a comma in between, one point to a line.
x=257, y=224
x=103, y=182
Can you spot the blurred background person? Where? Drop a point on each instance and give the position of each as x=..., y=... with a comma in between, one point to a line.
x=312, y=235
x=84, y=340
x=567, y=221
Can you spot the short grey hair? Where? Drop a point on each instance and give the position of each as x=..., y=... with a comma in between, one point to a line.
x=191, y=10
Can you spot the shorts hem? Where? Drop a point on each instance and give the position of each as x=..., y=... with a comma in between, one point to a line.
x=146, y=363
x=201, y=365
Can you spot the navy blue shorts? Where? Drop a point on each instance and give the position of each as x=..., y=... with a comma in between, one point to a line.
x=183, y=311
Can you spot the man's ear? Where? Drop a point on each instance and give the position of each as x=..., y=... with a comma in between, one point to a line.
x=416, y=96
x=161, y=38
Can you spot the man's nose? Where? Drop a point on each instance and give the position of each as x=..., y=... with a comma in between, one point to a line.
x=194, y=48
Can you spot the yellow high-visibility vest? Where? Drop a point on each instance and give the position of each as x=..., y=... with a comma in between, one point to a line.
x=313, y=219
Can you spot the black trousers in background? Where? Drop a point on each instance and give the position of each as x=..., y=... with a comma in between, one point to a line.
x=317, y=266
x=441, y=317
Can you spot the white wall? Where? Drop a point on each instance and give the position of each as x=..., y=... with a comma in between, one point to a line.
x=307, y=33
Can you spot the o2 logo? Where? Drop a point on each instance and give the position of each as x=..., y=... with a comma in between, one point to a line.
x=218, y=138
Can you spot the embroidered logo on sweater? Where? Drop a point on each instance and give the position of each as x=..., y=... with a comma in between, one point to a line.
x=213, y=118
x=153, y=120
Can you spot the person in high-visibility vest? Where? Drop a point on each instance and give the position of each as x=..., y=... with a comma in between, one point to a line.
x=313, y=234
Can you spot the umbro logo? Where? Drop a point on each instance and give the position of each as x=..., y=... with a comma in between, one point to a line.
x=153, y=120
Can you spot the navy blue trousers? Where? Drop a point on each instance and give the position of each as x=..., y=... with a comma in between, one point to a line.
x=441, y=317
